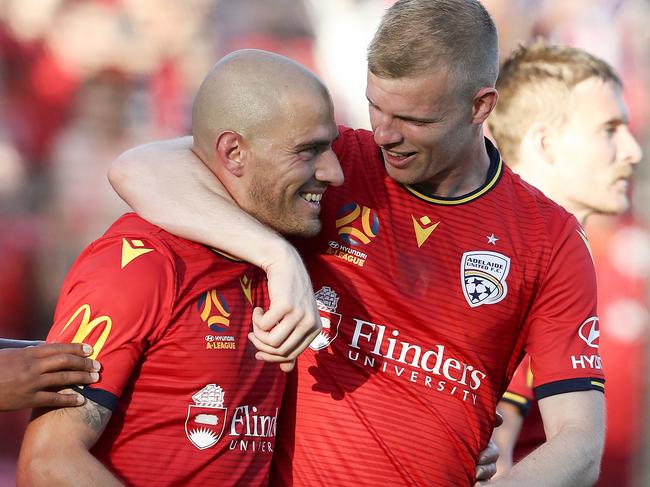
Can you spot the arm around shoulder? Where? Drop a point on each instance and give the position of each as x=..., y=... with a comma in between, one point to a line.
x=166, y=184
x=55, y=449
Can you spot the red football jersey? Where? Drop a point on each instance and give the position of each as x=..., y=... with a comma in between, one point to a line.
x=428, y=305
x=169, y=321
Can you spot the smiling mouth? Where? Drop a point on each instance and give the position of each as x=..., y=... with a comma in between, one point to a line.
x=311, y=197
x=398, y=155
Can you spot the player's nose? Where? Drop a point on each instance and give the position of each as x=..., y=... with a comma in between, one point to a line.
x=328, y=169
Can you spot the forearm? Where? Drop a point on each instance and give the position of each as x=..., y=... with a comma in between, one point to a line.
x=574, y=423
x=506, y=435
x=571, y=458
x=169, y=186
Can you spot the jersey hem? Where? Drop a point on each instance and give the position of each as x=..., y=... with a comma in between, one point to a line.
x=100, y=396
x=520, y=402
x=569, y=385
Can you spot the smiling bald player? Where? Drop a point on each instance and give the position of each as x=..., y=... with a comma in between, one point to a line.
x=182, y=399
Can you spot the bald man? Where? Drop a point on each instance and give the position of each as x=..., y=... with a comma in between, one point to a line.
x=182, y=399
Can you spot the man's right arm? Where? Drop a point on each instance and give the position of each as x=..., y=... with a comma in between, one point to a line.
x=165, y=183
x=55, y=449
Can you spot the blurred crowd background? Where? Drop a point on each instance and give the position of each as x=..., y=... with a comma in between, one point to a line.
x=83, y=80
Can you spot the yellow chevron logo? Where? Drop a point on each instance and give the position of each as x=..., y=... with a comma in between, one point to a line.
x=423, y=228
x=132, y=250
x=246, y=285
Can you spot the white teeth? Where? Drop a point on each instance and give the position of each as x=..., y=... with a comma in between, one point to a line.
x=315, y=197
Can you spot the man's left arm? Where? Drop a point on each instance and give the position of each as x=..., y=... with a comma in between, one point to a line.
x=575, y=427
x=568, y=381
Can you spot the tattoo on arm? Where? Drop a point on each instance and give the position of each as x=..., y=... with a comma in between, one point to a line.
x=95, y=415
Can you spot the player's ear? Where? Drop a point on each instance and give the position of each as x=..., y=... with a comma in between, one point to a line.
x=230, y=151
x=483, y=103
x=540, y=139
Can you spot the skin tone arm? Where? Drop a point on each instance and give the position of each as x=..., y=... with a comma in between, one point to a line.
x=168, y=185
x=29, y=376
x=575, y=427
x=505, y=436
x=55, y=450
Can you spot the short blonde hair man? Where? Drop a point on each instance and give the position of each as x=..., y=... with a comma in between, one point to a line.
x=561, y=123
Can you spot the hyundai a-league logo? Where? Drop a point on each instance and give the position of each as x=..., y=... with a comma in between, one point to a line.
x=327, y=301
x=206, y=418
x=356, y=224
x=483, y=277
x=214, y=310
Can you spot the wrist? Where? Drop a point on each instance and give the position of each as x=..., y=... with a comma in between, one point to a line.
x=277, y=250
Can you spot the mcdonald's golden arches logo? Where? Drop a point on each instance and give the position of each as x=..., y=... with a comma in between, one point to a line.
x=87, y=326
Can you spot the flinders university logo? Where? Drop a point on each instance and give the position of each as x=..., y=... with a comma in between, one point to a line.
x=483, y=277
x=356, y=224
x=214, y=310
x=327, y=301
x=206, y=418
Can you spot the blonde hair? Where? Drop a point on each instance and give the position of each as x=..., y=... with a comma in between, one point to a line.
x=535, y=84
x=419, y=36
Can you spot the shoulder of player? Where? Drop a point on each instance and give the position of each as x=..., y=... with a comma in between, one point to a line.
x=131, y=246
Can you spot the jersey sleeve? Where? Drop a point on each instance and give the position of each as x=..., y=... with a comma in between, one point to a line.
x=564, y=332
x=117, y=298
x=520, y=389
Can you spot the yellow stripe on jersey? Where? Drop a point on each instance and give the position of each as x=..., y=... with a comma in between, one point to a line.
x=471, y=197
x=511, y=396
x=598, y=384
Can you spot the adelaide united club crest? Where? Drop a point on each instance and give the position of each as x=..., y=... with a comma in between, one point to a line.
x=327, y=301
x=483, y=277
x=206, y=418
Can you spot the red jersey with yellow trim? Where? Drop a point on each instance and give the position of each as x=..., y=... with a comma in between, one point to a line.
x=428, y=305
x=169, y=321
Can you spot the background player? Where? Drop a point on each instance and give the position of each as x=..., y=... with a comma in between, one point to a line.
x=30, y=376
x=562, y=125
x=181, y=397
x=427, y=198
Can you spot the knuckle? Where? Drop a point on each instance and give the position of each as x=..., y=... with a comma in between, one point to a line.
x=63, y=377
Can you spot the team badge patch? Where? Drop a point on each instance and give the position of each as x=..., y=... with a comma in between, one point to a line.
x=483, y=277
x=327, y=301
x=206, y=418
